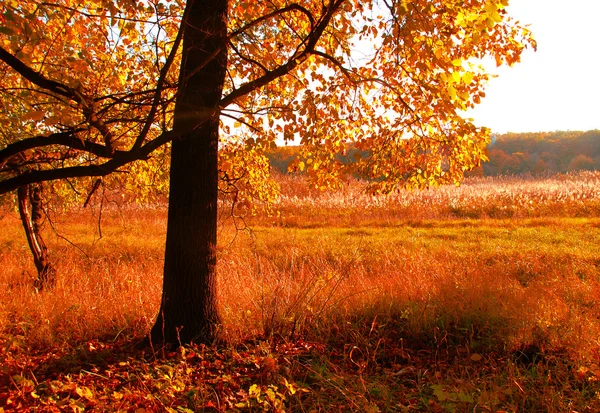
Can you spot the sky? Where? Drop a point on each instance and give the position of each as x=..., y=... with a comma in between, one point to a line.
x=557, y=87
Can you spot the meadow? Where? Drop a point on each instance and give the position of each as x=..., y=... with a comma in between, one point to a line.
x=480, y=298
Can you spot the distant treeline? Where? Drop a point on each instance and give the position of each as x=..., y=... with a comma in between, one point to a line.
x=542, y=152
x=511, y=153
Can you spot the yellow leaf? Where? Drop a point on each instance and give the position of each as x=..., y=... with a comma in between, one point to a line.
x=467, y=78
x=84, y=392
x=452, y=92
x=254, y=390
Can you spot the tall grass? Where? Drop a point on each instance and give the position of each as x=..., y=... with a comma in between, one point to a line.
x=568, y=195
x=490, y=287
x=493, y=283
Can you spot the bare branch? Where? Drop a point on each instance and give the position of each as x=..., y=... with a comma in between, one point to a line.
x=356, y=80
x=247, y=59
x=241, y=121
x=160, y=83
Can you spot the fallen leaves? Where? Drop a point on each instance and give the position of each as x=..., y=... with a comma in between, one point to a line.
x=269, y=376
x=119, y=378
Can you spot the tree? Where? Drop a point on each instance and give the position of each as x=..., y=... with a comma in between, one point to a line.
x=92, y=89
x=30, y=201
x=581, y=163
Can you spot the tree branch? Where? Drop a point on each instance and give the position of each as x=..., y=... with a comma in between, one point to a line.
x=291, y=64
x=119, y=159
x=61, y=89
x=349, y=74
x=247, y=59
x=160, y=83
x=37, y=78
x=68, y=139
x=286, y=9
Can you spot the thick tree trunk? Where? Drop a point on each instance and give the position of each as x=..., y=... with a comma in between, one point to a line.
x=31, y=195
x=188, y=309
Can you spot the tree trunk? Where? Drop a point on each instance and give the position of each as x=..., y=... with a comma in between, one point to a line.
x=31, y=195
x=188, y=310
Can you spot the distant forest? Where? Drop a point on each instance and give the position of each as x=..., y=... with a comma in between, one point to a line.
x=542, y=152
x=512, y=153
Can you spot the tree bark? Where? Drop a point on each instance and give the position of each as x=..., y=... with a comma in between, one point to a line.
x=31, y=195
x=188, y=310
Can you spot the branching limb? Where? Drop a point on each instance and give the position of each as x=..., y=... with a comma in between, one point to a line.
x=60, y=89
x=67, y=139
x=292, y=63
x=112, y=165
x=356, y=79
x=291, y=7
x=159, y=85
x=37, y=78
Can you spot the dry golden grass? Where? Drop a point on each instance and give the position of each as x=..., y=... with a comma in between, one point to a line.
x=366, y=276
x=570, y=195
x=428, y=270
x=504, y=284
x=105, y=285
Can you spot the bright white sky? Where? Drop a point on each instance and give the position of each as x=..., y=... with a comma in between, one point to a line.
x=557, y=87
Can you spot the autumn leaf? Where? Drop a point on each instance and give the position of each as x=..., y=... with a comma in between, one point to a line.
x=84, y=392
x=476, y=357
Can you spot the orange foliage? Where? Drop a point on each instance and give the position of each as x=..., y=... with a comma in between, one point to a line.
x=88, y=88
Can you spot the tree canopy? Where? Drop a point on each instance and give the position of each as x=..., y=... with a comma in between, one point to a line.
x=89, y=87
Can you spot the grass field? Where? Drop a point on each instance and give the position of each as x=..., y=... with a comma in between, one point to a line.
x=479, y=298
